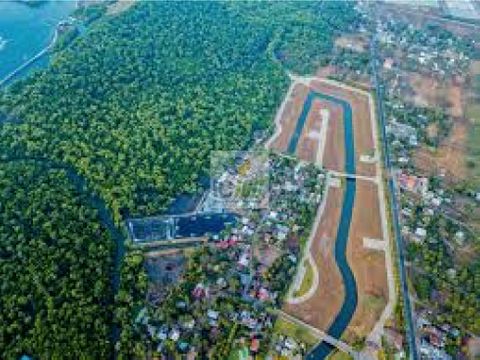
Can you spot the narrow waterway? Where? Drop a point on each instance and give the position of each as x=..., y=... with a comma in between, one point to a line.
x=350, y=300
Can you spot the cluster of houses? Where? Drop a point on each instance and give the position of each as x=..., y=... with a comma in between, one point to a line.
x=425, y=51
x=244, y=270
x=433, y=338
x=288, y=348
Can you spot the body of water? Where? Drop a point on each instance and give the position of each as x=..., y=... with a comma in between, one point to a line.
x=25, y=30
x=350, y=300
x=173, y=227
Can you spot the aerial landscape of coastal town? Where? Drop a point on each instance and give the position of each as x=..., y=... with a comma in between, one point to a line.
x=236, y=180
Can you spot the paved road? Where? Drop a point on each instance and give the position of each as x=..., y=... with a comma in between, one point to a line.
x=410, y=326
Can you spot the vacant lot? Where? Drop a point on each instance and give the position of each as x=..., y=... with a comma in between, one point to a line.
x=334, y=147
x=308, y=144
x=427, y=91
x=363, y=135
x=320, y=310
x=352, y=42
x=292, y=111
x=367, y=265
x=449, y=158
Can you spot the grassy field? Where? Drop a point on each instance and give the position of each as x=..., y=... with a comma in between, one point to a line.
x=295, y=331
x=339, y=355
x=473, y=147
x=306, y=281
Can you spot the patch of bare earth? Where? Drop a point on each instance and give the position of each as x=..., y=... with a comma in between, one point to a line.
x=449, y=157
x=321, y=309
x=290, y=116
x=326, y=71
x=352, y=42
x=368, y=265
x=308, y=143
x=364, y=141
x=119, y=6
x=429, y=92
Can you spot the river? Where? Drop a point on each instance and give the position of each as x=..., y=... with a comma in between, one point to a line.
x=350, y=300
x=25, y=30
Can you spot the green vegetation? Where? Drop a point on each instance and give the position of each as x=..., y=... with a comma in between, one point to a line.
x=138, y=114
x=339, y=355
x=295, y=331
x=449, y=288
x=307, y=280
x=55, y=265
x=134, y=106
x=473, y=151
x=305, y=30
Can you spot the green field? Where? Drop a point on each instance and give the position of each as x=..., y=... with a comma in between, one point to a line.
x=307, y=280
x=295, y=331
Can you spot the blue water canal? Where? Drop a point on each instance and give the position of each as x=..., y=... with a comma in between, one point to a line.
x=349, y=305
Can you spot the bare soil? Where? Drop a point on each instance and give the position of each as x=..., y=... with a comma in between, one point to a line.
x=448, y=95
x=449, y=158
x=353, y=42
x=321, y=309
x=290, y=116
x=308, y=143
x=368, y=265
x=364, y=141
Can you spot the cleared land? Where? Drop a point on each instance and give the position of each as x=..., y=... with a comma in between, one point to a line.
x=428, y=91
x=364, y=138
x=449, y=157
x=309, y=139
x=352, y=42
x=289, y=118
x=320, y=309
x=367, y=265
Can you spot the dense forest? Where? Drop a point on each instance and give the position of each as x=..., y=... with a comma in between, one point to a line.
x=137, y=109
x=134, y=106
x=55, y=265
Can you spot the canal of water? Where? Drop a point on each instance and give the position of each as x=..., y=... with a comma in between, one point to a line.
x=350, y=300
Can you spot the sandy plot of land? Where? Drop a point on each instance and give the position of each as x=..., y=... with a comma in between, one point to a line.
x=308, y=143
x=321, y=309
x=119, y=6
x=368, y=265
x=326, y=71
x=364, y=141
x=353, y=42
x=448, y=95
x=290, y=116
x=334, y=151
x=449, y=158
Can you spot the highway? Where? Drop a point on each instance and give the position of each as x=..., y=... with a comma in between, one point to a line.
x=407, y=307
